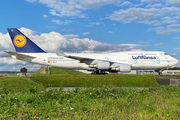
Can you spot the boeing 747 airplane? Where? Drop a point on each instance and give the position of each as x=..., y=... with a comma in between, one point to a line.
x=27, y=50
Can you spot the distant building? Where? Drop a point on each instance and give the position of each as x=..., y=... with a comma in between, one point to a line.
x=171, y=72
x=87, y=51
x=89, y=72
x=8, y=72
x=132, y=72
x=85, y=71
x=146, y=72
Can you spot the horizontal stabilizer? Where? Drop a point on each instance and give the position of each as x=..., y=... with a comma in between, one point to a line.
x=60, y=54
x=19, y=54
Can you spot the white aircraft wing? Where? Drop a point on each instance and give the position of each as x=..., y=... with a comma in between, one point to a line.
x=102, y=63
x=79, y=58
x=60, y=53
x=19, y=54
x=70, y=56
x=82, y=59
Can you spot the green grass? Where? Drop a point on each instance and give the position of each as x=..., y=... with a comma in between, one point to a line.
x=2, y=77
x=87, y=80
x=21, y=98
x=92, y=104
x=36, y=73
x=17, y=84
x=59, y=71
x=70, y=78
x=168, y=76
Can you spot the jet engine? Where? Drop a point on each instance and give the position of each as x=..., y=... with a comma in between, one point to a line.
x=101, y=65
x=122, y=68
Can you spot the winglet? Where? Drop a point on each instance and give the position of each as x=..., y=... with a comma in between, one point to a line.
x=60, y=54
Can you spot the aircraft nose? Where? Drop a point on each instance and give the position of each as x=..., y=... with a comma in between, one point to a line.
x=176, y=61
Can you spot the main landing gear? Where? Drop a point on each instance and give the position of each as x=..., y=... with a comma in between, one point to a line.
x=160, y=72
x=99, y=72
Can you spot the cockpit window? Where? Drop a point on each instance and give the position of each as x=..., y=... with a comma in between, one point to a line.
x=165, y=54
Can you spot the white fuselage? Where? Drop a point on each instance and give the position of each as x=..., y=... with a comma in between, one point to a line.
x=138, y=60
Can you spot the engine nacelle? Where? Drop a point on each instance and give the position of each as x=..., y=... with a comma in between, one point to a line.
x=122, y=68
x=101, y=66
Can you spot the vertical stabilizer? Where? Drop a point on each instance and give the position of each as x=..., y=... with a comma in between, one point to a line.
x=23, y=43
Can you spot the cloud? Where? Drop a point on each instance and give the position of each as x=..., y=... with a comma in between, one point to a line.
x=110, y=32
x=170, y=10
x=45, y=16
x=86, y=33
x=177, y=48
x=173, y=2
x=51, y=42
x=91, y=4
x=9, y=64
x=67, y=30
x=136, y=5
x=5, y=44
x=173, y=28
x=55, y=41
x=142, y=15
x=154, y=5
x=174, y=25
x=57, y=22
x=97, y=23
x=15, y=67
x=174, y=54
x=74, y=8
x=66, y=22
x=158, y=44
x=177, y=17
x=135, y=15
x=163, y=30
x=31, y=0
x=69, y=36
x=154, y=22
x=9, y=60
x=125, y=3
x=168, y=20
x=64, y=8
x=177, y=37
x=149, y=1
x=144, y=42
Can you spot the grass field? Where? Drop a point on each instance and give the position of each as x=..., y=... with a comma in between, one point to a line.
x=17, y=84
x=59, y=71
x=92, y=103
x=86, y=80
x=168, y=76
x=21, y=98
x=70, y=78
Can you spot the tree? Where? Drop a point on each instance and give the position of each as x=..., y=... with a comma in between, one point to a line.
x=174, y=68
x=23, y=70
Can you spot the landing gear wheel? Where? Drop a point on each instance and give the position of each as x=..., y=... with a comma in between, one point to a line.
x=99, y=72
x=159, y=73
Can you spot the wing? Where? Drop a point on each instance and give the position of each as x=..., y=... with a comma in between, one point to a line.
x=114, y=66
x=100, y=63
x=82, y=59
x=19, y=54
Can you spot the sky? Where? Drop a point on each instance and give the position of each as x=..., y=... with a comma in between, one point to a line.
x=111, y=26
